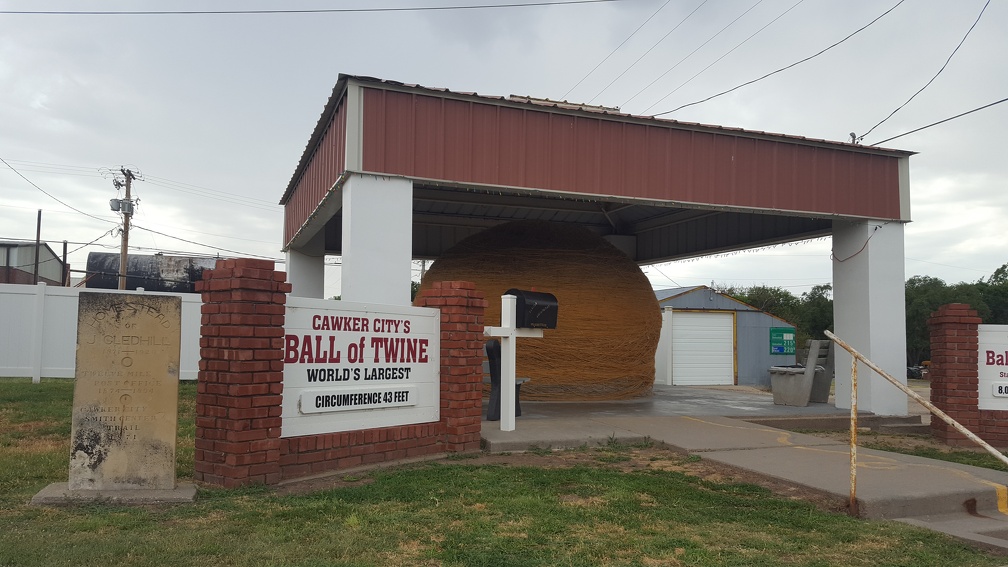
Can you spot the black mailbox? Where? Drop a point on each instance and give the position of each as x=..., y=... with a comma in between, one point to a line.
x=534, y=310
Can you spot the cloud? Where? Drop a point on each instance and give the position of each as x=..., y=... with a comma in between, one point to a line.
x=227, y=103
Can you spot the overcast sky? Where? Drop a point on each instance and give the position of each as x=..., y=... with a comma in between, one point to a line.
x=215, y=110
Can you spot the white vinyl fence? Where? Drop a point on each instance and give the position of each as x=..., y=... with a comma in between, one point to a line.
x=38, y=331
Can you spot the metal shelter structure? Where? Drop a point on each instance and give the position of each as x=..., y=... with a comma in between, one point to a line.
x=394, y=172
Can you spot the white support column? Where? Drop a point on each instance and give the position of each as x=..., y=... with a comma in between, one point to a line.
x=306, y=268
x=508, y=360
x=377, y=239
x=869, y=311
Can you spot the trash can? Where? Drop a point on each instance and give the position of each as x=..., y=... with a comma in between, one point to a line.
x=493, y=352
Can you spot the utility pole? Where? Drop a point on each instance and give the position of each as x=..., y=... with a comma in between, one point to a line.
x=38, y=245
x=125, y=206
x=127, y=213
x=65, y=273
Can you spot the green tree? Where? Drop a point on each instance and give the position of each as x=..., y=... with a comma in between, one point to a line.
x=999, y=277
x=773, y=300
x=994, y=293
x=810, y=315
x=924, y=295
x=815, y=312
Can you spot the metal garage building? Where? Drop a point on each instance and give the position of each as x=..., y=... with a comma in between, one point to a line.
x=712, y=339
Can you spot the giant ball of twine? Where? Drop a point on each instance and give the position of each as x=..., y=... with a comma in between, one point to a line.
x=609, y=320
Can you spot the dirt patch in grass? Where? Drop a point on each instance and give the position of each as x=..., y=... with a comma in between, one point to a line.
x=656, y=457
x=30, y=437
x=41, y=446
x=909, y=444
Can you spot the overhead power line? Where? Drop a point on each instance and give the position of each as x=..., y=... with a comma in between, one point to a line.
x=116, y=246
x=785, y=68
x=613, y=52
x=296, y=11
x=942, y=121
x=206, y=192
x=138, y=227
x=898, y=108
x=650, y=49
x=181, y=253
x=228, y=236
x=53, y=197
x=32, y=240
x=33, y=184
x=235, y=197
x=92, y=170
x=698, y=48
x=41, y=167
x=226, y=198
x=947, y=265
x=666, y=276
x=716, y=61
x=103, y=235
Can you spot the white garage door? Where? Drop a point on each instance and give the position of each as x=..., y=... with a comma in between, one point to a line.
x=703, y=348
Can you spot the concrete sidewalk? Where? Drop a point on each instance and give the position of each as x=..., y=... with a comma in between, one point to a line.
x=967, y=502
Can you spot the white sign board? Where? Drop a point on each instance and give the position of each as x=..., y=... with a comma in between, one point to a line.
x=992, y=367
x=350, y=366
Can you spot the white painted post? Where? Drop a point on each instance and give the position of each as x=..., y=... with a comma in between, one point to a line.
x=508, y=334
x=508, y=357
x=38, y=332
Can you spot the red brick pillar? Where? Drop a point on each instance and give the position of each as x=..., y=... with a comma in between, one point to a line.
x=240, y=383
x=953, y=372
x=462, y=309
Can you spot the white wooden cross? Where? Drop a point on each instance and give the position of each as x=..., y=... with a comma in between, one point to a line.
x=508, y=333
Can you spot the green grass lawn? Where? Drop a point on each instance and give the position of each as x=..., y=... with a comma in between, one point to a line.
x=449, y=512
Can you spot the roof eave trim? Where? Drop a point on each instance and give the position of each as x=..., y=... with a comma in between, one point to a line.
x=384, y=84
x=338, y=94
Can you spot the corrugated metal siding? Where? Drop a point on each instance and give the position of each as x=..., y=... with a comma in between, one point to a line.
x=470, y=141
x=704, y=298
x=724, y=231
x=754, y=358
x=324, y=168
x=752, y=332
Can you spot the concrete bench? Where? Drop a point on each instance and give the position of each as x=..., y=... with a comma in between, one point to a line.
x=799, y=384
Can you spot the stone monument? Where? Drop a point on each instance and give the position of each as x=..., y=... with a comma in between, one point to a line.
x=125, y=407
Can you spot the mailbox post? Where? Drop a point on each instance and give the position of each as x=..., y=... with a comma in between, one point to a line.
x=538, y=311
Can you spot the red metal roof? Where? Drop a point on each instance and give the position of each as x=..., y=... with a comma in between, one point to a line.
x=439, y=137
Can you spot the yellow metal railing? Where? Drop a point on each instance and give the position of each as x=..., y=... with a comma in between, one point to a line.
x=926, y=403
